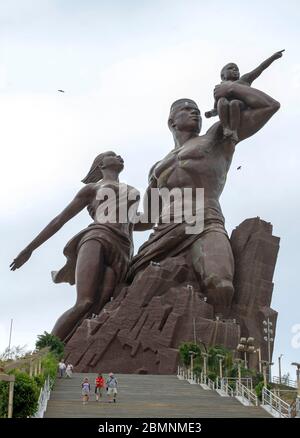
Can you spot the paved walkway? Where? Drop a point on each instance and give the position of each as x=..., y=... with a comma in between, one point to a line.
x=145, y=396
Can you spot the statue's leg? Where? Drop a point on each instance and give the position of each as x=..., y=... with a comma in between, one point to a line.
x=223, y=111
x=213, y=262
x=89, y=274
x=235, y=116
x=106, y=289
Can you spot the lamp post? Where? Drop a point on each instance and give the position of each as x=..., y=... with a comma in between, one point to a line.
x=279, y=367
x=269, y=339
x=192, y=354
x=9, y=341
x=205, y=358
x=265, y=364
x=239, y=364
x=245, y=346
x=221, y=357
x=258, y=351
x=296, y=364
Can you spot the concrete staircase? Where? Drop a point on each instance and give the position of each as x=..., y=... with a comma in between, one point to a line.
x=145, y=396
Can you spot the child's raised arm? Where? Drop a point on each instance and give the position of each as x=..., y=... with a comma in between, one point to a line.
x=254, y=74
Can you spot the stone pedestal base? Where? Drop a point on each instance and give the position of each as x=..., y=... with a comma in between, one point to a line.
x=140, y=330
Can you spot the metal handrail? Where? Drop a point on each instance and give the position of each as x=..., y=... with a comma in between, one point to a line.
x=207, y=381
x=298, y=406
x=284, y=381
x=247, y=381
x=183, y=373
x=223, y=385
x=43, y=399
x=246, y=393
x=276, y=404
x=210, y=383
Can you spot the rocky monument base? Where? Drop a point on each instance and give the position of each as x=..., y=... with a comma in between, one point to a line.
x=140, y=330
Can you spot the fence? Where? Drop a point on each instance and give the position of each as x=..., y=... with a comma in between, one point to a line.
x=43, y=399
x=273, y=404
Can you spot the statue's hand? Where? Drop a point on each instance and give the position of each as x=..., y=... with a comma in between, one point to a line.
x=278, y=55
x=20, y=259
x=223, y=90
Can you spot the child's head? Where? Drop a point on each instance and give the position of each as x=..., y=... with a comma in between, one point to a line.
x=230, y=72
x=86, y=379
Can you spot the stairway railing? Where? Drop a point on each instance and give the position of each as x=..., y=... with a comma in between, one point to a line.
x=285, y=381
x=223, y=385
x=184, y=374
x=298, y=406
x=246, y=381
x=275, y=404
x=43, y=399
x=246, y=394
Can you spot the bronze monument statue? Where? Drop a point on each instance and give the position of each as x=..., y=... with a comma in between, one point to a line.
x=179, y=286
x=98, y=256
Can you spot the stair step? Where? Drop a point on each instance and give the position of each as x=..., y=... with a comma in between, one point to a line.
x=145, y=396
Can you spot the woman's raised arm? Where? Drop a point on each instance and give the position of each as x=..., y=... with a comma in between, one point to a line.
x=80, y=201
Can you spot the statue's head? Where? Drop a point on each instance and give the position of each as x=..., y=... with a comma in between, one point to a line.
x=185, y=116
x=230, y=72
x=106, y=160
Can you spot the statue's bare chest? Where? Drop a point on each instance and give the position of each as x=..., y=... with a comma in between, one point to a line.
x=180, y=165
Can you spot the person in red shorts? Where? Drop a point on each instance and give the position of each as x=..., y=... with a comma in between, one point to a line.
x=99, y=386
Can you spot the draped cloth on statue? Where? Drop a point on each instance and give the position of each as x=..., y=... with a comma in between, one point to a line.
x=169, y=240
x=117, y=248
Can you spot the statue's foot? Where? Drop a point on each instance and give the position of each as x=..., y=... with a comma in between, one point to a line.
x=235, y=137
x=227, y=132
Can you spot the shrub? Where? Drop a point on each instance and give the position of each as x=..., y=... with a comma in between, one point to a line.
x=259, y=387
x=49, y=366
x=197, y=369
x=39, y=380
x=26, y=394
x=212, y=376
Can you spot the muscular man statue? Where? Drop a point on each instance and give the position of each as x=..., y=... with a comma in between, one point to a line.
x=202, y=162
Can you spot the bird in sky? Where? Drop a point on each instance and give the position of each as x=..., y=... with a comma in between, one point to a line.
x=61, y=91
x=239, y=168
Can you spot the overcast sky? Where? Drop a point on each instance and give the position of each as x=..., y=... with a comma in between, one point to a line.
x=121, y=64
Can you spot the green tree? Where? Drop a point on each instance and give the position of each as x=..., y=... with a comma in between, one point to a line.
x=213, y=360
x=53, y=342
x=184, y=352
x=26, y=394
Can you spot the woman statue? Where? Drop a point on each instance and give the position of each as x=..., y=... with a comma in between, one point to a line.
x=98, y=256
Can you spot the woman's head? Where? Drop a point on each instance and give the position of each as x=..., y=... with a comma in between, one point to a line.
x=103, y=161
